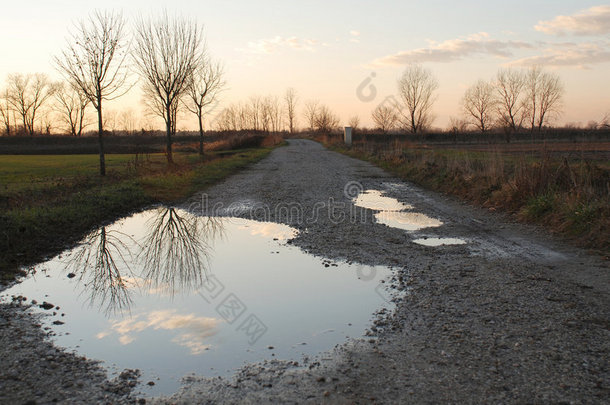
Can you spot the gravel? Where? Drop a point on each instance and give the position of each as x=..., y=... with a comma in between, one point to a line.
x=511, y=316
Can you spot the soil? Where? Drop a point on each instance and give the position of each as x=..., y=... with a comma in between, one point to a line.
x=512, y=316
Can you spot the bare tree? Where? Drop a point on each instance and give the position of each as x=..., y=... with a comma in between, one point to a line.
x=511, y=107
x=6, y=113
x=27, y=94
x=291, y=108
x=416, y=88
x=204, y=86
x=71, y=107
x=479, y=105
x=167, y=52
x=544, y=94
x=385, y=117
x=325, y=119
x=94, y=63
x=311, y=110
x=354, y=122
x=127, y=121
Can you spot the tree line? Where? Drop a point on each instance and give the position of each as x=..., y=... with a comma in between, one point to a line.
x=514, y=100
x=167, y=53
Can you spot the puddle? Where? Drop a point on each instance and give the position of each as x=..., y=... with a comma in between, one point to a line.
x=439, y=241
x=170, y=293
x=393, y=213
x=375, y=200
x=409, y=221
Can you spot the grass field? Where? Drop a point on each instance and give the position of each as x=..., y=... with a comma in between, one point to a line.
x=564, y=187
x=50, y=201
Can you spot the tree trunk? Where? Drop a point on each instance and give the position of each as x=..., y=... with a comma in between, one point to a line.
x=200, y=134
x=100, y=137
x=168, y=128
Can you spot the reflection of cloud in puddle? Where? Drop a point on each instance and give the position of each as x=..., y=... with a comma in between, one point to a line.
x=270, y=230
x=194, y=330
x=439, y=241
x=374, y=200
x=409, y=221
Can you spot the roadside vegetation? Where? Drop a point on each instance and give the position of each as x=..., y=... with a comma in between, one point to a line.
x=48, y=202
x=562, y=186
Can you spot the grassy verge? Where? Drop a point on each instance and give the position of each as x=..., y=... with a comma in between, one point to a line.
x=48, y=202
x=570, y=197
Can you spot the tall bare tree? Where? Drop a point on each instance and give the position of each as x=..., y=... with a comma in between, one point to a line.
x=94, y=63
x=479, y=105
x=291, y=98
x=544, y=95
x=385, y=117
x=167, y=51
x=311, y=111
x=27, y=94
x=511, y=107
x=71, y=105
x=416, y=87
x=205, y=84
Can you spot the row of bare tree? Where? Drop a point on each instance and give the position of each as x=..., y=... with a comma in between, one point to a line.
x=514, y=100
x=168, y=53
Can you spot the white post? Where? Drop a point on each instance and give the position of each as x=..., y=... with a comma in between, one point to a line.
x=347, y=136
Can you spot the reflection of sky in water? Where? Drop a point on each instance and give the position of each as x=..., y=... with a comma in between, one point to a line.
x=409, y=221
x=179, y=320
x=393, y=213
x=439, y=241
x=375, y=200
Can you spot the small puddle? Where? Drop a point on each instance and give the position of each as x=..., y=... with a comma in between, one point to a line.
x=393, y=213
x=409, y=221
x=439, y=241
x=375, y=200
x=171, y=293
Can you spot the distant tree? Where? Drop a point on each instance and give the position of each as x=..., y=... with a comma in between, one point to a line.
x=416, y=88
x=167, y=52
x=544, y=95
x=479, y=105
x=71, y=105
x=27, y=94
x=205, y=84
x=290, y=98
x=7, y=114
x=511, y=106
x=127, y=121
x=325, y=119
x=310, y=113
x=354, y=122
x=385, y=117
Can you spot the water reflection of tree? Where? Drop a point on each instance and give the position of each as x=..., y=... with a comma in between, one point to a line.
x=100, y=262
x=176, y=251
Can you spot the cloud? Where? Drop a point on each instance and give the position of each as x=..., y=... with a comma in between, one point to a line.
x=354, y=33
x=272, y=45
x=454, y=49
x=593, y=21
x=581, y=55
x=192, y=331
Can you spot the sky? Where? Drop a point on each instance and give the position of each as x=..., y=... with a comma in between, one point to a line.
x=350, y=54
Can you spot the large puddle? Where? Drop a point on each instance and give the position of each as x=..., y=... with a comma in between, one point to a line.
x=171, y=293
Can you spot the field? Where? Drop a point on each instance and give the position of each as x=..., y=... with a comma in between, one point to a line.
x=564, y=186
x=50, y=201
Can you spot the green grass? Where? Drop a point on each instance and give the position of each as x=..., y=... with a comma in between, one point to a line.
x=50, y=202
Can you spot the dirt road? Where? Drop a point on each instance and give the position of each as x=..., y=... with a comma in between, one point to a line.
x=511, y=316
